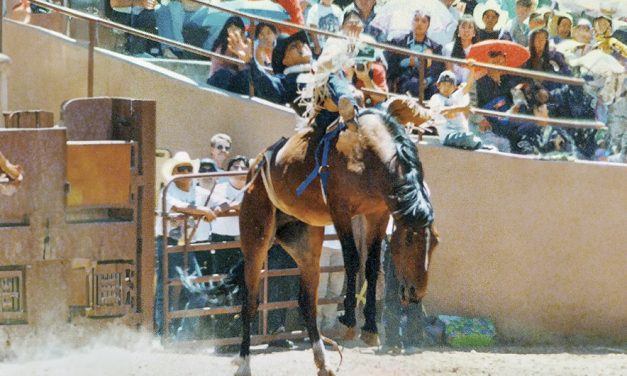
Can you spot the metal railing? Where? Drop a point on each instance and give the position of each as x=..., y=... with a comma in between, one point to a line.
x=167, y=282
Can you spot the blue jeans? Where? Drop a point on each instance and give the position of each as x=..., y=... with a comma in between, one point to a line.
x=174, y=260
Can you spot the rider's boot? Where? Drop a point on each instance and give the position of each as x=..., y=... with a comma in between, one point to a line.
x=347, y=112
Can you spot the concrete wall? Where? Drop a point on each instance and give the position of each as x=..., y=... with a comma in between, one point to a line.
x=538, y=246
x=48, y=69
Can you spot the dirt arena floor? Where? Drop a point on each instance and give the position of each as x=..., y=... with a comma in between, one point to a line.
x=119, y=354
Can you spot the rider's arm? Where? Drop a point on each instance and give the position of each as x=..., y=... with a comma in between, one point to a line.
x=267, y=86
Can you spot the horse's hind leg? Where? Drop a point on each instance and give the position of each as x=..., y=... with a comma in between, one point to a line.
x=376, y=225
x=304, y=244
x=257, y=222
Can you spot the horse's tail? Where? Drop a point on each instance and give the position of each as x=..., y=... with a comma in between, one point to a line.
x=335, y=346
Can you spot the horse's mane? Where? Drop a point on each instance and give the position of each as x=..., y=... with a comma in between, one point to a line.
x=408, y=200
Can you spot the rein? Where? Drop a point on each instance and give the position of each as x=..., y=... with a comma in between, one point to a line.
x=322, y=167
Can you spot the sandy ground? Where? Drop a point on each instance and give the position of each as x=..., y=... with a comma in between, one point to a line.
x=123, y=354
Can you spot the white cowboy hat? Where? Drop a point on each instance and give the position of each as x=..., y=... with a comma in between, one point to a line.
x=480, y=9
x=557, y=15
x=181, y=158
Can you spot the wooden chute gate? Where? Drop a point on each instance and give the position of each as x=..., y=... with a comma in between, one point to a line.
x=78, y=239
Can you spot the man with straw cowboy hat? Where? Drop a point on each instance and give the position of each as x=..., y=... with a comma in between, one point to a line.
x=181, y=197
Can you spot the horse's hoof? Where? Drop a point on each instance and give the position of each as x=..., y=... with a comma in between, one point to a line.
x=350, y=334
x=325, y=372
x=369, y=338
x=243, y=366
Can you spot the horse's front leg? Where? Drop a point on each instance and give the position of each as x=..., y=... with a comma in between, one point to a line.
x=376, y=226
x=344, y=230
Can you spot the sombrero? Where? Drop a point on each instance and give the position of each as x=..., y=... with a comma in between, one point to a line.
x=515, y=54
x=480, y=9
x=181, y=158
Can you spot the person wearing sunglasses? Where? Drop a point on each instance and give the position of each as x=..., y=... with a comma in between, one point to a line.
x=220, y=149
x=181, y=197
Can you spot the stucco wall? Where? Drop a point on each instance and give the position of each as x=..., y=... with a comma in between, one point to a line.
x=538, y=246
x=48, y=69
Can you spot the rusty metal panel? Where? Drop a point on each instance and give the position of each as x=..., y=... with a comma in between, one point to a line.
x=12, y=296
x=99, y=174
x=114, y=292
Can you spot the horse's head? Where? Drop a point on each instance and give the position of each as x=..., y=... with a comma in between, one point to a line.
x=411, y=250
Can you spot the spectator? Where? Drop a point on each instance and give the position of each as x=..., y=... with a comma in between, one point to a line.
x=265, y=39
x=138, y=14
x=491, y=21
x=325, y=16
x=220, y=149
x=518, y=27
x=465, y=36
x=181, y=198
x=403, y=71
x=583, y=31
x=581, y=42
x=331, y=284
x=451, y=105
x=367, y=10
x=539, y=18
x=603, y=32
x=206, y=187
x=494, y=93
x=11, y=176
x=560, y=27
x=176, y=21
x=228, y=196
x=228, y=76
x=544, y=60
x=369, y=70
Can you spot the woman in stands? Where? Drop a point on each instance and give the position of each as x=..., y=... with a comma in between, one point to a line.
x=222, y=74
x=466, y=34
x=544, y=60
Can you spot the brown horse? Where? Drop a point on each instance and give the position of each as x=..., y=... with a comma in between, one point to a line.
x=374, y=171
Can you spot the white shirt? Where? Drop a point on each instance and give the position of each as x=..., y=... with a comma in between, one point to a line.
x=225, y=193
x=458, y=123
x=461, y=73
x=175, y=197
x=327, y=18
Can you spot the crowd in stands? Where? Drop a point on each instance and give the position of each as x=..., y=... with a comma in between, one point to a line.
x=559, y=42
x=556, y=41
